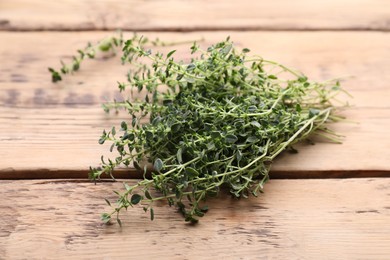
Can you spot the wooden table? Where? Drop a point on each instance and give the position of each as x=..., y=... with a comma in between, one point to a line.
x=328, y=201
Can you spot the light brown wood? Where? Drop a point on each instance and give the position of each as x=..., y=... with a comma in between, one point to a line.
x=194, y=15
x=293, y=219
x=51, y=130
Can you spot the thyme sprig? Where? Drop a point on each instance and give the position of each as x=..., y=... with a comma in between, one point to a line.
x=216, y=121
x=107, y=45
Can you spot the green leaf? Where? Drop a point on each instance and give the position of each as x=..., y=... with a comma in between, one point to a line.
x=199, y=213
x=205, y=208
x=192, y=172
x=256, y=124
x=179, y=77
x=179, y=155
x=216, y=134
x=76, y=65
x=156, y=120
x=137, y=166
x=210, y=146
x=135, y=199
x=133, y=122
x=225, y=50
x=239, y=155
x=158, y=164
x=105, y=217
x=108, y=202
x=302, y=79
x=252, y=139
x=147, y=195
x=128, y=136
x=252, y=109
x=194, y=48
x=313, y=112
x=123, y=126
x=190, y=67
x=230, y=138
x=55, y=75
x=176, y=127
x=191, y=219
x=151, y=214
x=127, y=187
x=245, y=50
x=102, y=140
x=298, y=108
x=149, y=135
x=170, y=53
x=105, y=46
x=91, y=54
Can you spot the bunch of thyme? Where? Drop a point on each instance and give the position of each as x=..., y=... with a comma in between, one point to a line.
x=216, y=121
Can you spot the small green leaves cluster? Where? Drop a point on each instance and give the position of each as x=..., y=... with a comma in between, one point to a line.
x=215, y=122
x=108, y=45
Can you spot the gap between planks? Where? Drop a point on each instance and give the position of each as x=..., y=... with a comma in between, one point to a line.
x=132, y=173
x=200, y=29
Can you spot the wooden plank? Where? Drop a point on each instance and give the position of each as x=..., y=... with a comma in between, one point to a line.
x=293, y=219
x=176, y=15
x=51, y=130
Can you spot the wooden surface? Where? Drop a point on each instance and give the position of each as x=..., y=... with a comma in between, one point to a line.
x=294, y=219
x=50, y=131
x=173, y=15
x=62, y=122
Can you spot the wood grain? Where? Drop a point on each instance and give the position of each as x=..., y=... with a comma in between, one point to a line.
x=51, y=130
x=293, y=219
x=177, y=15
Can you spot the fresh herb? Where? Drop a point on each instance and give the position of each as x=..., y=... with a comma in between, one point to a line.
x=108, y=45
x=217, y=121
